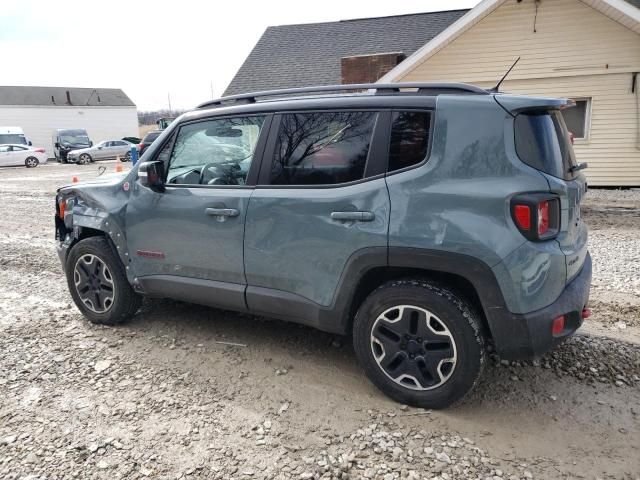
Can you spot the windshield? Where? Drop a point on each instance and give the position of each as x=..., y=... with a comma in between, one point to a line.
x=74, y=137
x=14, y=138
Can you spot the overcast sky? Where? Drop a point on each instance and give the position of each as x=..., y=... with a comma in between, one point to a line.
x=152, y=48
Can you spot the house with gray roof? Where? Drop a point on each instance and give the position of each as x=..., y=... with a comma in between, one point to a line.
x=336, y=52
x=105, y=113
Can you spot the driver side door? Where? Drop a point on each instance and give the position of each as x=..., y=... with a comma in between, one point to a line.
x=187, y=242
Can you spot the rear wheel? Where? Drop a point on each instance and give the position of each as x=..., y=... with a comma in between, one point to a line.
x=419, y=343
x=31, y=162
x=98, y=283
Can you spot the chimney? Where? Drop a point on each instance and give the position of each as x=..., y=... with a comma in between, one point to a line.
x=68, y=98
x=368, y=68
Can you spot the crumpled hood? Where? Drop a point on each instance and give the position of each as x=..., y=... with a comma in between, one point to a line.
x=105, y=179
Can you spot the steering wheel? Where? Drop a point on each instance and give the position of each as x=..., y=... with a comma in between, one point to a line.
x=204, y=171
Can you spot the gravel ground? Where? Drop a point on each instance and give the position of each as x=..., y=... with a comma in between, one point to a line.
x=162, y=397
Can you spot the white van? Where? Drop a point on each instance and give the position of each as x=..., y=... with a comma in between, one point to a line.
x=13, y=135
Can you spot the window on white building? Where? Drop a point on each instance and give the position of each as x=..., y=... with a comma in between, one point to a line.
x=578, y=118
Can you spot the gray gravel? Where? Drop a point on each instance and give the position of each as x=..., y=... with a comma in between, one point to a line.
x=616, y=260
x=188, y=392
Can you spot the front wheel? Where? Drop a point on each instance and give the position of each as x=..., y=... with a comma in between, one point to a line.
x=31, y=162
x=419, y=343
x=84, y=159
x=126, y=158
x=98, y=283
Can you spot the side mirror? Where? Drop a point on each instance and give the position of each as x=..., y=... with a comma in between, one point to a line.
x=57, y=145
x=151, y=175
x=100, y=147
x=91, y=144
x=30, y=144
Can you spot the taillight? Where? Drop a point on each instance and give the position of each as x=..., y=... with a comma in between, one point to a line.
x=537, y=215
x=522, y=215
x=62, y=206
x=543, y=217
x=39, y=150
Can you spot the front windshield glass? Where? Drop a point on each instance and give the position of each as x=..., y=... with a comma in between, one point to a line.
x=75, y=137
x=12, y=138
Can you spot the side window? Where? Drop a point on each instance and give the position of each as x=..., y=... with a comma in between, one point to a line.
x=322, y=148
x=214, y=152
x=5, y=148
x=409, y=142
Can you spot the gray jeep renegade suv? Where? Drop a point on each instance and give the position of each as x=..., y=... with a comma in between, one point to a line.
x=427, y=220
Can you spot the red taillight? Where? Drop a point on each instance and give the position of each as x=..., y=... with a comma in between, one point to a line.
x=543, y=218
x=558, y=325
x=537, y=215
x=522, y=214
x=62, y=206
x=39, y=150
x=586, y=313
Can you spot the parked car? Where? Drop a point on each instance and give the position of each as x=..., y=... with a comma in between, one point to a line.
x=17, y=155
x=13, y=136
x=107, y=150
x=148, y=139
x=427, y=223
x=66, y=140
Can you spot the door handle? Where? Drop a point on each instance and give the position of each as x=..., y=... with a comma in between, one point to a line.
x=353, y=216
x=222, y=212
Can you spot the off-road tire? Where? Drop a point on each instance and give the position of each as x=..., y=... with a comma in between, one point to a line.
x=453, y=311
x=31, y=162
x=125, y=301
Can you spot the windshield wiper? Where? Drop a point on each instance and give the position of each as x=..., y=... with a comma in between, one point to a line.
x=579, y=166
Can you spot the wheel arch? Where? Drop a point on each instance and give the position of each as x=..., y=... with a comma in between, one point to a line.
x=468, y=276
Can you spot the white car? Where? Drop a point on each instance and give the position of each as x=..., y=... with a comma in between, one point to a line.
x=13, y=155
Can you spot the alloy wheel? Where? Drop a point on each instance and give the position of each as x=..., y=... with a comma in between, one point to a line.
x=94, y=283
x=413, y=347
x=32, y=162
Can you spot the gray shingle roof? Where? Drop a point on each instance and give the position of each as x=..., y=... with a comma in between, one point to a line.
x=309, y=54
x=106, y=97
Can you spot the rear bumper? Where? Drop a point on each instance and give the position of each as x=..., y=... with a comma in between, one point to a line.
x=527, y=336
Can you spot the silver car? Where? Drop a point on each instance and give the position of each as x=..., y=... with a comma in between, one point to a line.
x=107, y=150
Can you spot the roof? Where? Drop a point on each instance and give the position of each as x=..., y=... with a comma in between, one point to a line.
x=83, y=97
x=289, y=56
x=621, y=11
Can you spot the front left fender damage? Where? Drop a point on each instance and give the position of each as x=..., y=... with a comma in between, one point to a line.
x=89, y=210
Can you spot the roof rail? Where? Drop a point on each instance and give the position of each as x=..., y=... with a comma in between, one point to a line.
x=379, y=88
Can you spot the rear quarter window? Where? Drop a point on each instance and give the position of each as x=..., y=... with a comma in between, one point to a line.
x=542, y=142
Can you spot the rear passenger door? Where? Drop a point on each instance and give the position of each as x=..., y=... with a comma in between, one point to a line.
x=321, y=200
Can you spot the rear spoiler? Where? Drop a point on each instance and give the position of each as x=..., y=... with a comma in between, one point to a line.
x=514, y=104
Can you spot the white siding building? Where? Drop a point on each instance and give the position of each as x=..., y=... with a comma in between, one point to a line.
x=105, y=113
x=586, y=50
